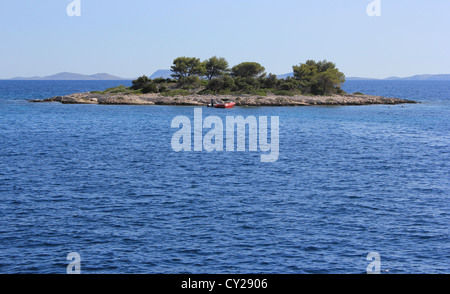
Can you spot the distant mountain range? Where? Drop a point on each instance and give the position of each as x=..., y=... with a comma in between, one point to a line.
x=443, y=77
x=166, y=73
x=67, y=76
x=423, y=78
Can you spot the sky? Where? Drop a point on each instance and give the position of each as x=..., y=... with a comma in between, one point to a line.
x=135, y=37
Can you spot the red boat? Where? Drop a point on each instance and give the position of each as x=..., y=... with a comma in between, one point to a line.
x=225, y=105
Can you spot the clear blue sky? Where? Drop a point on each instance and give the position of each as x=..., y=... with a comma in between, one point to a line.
x=135, y=37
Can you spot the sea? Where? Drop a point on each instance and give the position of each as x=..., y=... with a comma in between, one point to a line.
x=104, y=182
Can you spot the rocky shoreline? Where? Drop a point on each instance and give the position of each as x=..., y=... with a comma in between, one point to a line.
x=241, y=100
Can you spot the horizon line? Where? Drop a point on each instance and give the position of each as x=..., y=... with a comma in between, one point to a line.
x=122, y=78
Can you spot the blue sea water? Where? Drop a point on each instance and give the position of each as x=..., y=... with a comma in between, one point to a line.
x=103, y=181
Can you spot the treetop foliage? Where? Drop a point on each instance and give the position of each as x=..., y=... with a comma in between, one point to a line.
x=214, y=76
x=248, y=70
x=318, y=78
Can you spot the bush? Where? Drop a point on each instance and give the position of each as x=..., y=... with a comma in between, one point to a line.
x=140, y=82
x=119, y=89
x=251, y=91
x=224, y=83
x=215, y=85
x=224, y=92
x=289, y=85
x=206, y=92
x=178, y=92
x=150, y=88
x=159, y=80
x=189, y=82
x=260, y=92
x=246, y=84
x=283, y=93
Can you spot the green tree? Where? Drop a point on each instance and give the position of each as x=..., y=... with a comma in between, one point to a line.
x=318, y=78
x=289, y=84
x=215, y=67
x=140, y=82
x=248, y=70
x=189, y=82
x=184, y=67
x=224, y=83
x=329, y=81
x=247, y=84
x=269, y=82
x=306, y=74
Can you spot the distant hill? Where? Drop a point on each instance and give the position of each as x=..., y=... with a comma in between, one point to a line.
x=441, y=77
x=166, y=73
x=65, y=76
x=360, y=79
x=162, y=73
x=423, y=78
x=285, y=75
x=412, y=78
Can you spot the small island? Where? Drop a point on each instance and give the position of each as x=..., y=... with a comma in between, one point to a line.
x=196, y=83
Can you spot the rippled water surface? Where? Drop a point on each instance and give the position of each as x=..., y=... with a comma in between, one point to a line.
x=103, y=181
